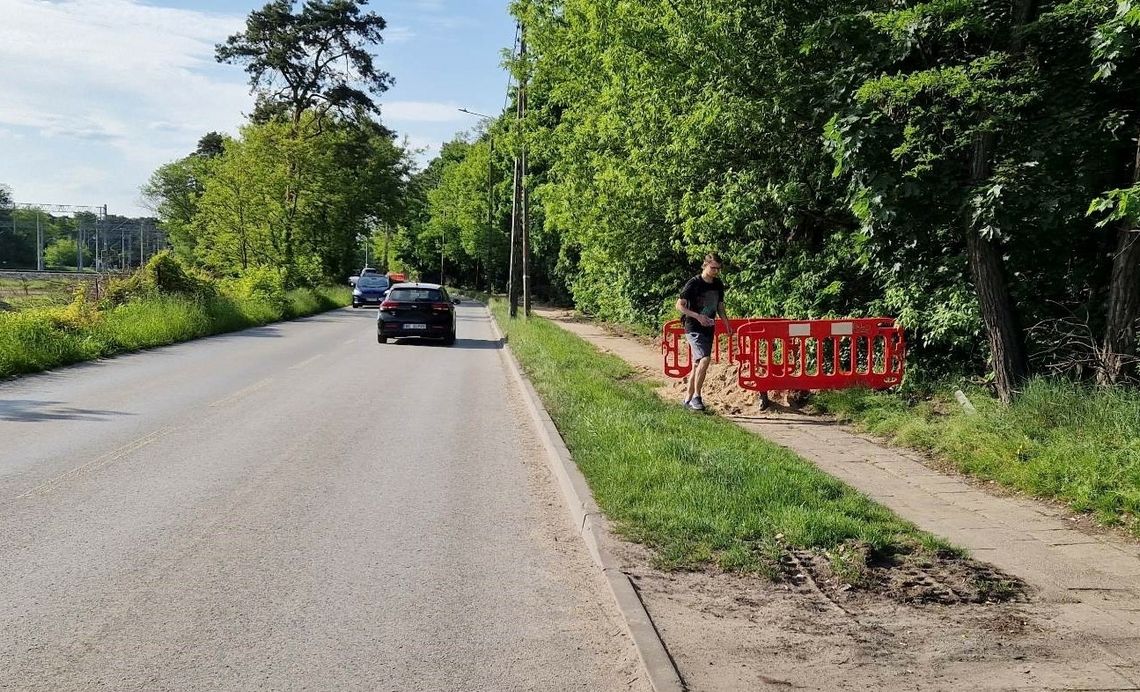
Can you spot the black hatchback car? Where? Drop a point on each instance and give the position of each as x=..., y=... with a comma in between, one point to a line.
x=423, y=310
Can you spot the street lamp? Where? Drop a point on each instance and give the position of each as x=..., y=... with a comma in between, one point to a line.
x=366, y=241
x=480, y=115
x=490, y=194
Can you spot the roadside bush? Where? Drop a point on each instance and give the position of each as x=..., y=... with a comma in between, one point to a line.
x=79, y=314
x=32, y=340
x=165, y=274
x=309, y=301
x=156, y=321
x=123, y=290
x=260, y=283
x=162, y=303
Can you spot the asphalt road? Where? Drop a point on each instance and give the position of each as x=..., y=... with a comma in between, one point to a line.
x=292, y=507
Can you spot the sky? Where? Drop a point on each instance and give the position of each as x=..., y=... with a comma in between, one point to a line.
x=97, y=94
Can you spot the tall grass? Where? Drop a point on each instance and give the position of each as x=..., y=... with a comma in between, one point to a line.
x=697, y=489
x=40, y=339
x=1058, y=440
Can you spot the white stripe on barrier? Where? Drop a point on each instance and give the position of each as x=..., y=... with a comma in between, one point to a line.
x=842, y=328
x=799, y=330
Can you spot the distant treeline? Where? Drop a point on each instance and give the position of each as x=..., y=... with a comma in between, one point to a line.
x=107, y=243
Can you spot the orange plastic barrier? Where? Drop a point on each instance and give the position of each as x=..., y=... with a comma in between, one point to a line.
x=801, y=354
x=678, y=361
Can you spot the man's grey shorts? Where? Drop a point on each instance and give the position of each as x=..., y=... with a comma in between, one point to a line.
x=700, y=345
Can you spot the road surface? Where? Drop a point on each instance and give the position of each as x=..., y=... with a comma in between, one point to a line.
x=292, y=507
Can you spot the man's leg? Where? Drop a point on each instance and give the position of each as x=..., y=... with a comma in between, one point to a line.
x=699, y=377
x=693, y=381
x=699, y=352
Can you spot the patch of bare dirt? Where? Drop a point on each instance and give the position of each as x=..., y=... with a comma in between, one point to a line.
x=903, y=578
x=926, y=628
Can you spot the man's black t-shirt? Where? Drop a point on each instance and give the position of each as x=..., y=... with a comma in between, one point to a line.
x=703, y=297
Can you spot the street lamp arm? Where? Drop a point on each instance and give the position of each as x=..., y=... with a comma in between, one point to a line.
x=478, y=115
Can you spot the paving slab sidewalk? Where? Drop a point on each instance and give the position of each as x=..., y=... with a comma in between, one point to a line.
x=1092, y=580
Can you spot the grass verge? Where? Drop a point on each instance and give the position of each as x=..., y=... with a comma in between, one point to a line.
x=26, y=294
x=1059, y=440
x=39, y=339
x=696, y=489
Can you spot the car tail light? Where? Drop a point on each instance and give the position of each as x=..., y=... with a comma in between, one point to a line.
x=387, y=305
x=441, y=307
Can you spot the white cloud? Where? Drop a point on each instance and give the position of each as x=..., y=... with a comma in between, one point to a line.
x=399, y=34
x=429, y=5
x=96, y=94
x=110, y=85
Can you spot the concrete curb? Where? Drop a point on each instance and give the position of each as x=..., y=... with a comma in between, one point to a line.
x=659, y=668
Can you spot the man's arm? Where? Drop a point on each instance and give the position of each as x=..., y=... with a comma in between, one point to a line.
x=683, y=308
x=724, y=316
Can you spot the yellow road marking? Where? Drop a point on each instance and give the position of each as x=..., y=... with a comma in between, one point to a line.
x=307, y=361
x=98, y=463
x=242, y=392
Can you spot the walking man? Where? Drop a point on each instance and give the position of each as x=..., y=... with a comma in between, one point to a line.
x=702, y=299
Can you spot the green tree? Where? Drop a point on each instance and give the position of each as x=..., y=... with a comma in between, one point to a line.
x=17, y=246
x=211, y=145
x=230, y=212
x=64, y=253
x=314, y=59
x=316, y=62
x=1115, y=46
x=174, y=190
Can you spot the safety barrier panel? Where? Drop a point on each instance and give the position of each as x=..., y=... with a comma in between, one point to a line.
x=678, y=360
x=802, y=354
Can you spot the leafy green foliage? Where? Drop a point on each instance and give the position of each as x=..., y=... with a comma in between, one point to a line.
x=165, y=274
x=163, y=303
x=64, y=253
x=841, y=155
x=256, y=197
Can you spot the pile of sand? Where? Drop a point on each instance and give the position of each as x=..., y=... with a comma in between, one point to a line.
x=723, y=393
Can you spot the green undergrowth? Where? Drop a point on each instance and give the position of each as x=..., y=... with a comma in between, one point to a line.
x=1058, y=440
x=139, y=314
x=24, y=294
x=697, y=489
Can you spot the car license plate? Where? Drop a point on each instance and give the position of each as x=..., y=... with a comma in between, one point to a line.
x=415, y=326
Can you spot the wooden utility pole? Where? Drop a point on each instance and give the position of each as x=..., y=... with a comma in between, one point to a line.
x=512, y=285
x=517, y=227
x=524, y=226
x=490, y=210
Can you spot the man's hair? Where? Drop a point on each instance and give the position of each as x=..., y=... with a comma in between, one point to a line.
x=710, y=258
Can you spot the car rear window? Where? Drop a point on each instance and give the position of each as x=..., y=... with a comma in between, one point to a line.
x=415, y=295
x=372, y=282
